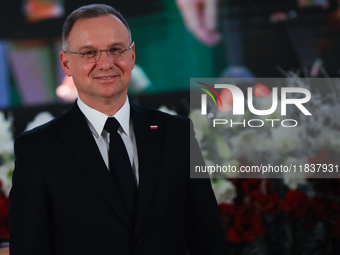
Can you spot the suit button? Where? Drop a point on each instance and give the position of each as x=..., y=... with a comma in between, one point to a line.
x=136, y=239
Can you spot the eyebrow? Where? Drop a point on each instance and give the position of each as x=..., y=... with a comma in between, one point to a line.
x=86, y=47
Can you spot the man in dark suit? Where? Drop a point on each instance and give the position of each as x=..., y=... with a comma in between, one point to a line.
x=71, y=195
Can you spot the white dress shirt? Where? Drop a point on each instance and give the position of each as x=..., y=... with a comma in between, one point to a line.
x=96, y=121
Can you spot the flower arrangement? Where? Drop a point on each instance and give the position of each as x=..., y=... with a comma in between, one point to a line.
x=7, y=164
x=297, y=213
x=6, y=169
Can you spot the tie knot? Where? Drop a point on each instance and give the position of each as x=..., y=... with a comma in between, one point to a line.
x=111, y=125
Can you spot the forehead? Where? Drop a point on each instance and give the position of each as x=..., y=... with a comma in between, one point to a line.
x=98, y=32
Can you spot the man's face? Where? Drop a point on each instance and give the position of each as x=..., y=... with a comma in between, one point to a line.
x=106, y=79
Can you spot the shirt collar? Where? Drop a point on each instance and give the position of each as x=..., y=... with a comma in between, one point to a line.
x=97, y=119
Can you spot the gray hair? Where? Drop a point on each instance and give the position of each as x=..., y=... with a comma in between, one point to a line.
x=87, y=12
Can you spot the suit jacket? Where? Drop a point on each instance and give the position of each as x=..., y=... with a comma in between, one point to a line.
x=63, y=199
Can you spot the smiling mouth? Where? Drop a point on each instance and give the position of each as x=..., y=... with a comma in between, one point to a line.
x=106, y=77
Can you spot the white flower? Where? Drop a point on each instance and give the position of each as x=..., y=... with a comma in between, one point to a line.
x=264, y=103
x=331, y=113
x=5, y=169
x=165, y=109
x=199, y=134
x=327, y=139
x=247, y=143
x=224, y=191
x=295, y=177
x=223, y=149
x=6, y=152
x=284, y=139
x=230, y=118
x=201, y=124
x=39, y=120
x=199, y=120
x=6, y=138
x=231, y=164
x=208, y=162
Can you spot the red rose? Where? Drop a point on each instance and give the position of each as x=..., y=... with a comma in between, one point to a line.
x=295, y=204
x=4, y=232
x=256, y=187
x=4, y=208
x=239, y=199
x=261, y=90
x=329, y=186
x=321, y=208
x=247, y=226
x=268, y=204
x=4, y=205
x=227, y=211
x=227, y=101
x=334, y=186
x=335, y=210
x=336, y=228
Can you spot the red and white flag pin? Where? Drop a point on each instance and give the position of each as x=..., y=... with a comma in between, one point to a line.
x=153, y=127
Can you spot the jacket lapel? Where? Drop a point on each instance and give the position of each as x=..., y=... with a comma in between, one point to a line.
x=149, y=144
x=79, y=141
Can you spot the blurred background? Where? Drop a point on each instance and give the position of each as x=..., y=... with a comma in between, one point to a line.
x=30, y=73
x=261, y=38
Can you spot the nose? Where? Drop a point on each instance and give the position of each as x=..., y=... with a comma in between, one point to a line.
x=105, y=62
x=101, y=52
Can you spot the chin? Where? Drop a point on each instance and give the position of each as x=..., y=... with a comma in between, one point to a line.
x=112, y=94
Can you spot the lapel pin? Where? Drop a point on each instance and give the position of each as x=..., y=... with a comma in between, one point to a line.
x=153, y=127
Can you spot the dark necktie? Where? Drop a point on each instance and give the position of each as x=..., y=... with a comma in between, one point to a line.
x=120, y=167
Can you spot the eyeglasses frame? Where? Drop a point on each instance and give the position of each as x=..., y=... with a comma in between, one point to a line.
x=107, y=51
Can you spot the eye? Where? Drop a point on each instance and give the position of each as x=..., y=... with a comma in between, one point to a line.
x=115, y=51
x=90, y=53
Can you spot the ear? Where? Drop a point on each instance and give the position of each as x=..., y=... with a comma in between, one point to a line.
x=65, y=63
x=133, y=56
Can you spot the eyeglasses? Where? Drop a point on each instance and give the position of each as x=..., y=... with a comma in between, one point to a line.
x=93, y=56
